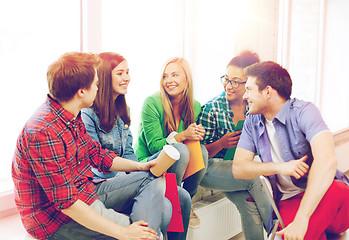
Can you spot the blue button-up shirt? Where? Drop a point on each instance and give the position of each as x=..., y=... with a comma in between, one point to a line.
x=296, y=124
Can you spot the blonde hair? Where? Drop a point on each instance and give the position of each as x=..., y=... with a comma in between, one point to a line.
x=187, y=100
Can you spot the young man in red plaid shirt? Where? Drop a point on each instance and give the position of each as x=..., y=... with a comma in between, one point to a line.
x=54, y=189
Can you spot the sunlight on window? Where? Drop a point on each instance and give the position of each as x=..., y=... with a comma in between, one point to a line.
x=207, y=35
x=33, y=34
x=146, y=39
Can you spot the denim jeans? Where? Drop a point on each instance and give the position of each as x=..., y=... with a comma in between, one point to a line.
x=190, y=184
x=247, y=194
x=139, y=195
x=185, y=202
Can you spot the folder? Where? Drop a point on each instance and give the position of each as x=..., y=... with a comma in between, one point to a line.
x=196, y=161
x=229, y=154
x=171, y=193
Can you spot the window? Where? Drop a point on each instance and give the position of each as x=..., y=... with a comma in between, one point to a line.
x=335, y=62
x=207, y=34
x=313, y=49
x=146, y=38
x=33, y=34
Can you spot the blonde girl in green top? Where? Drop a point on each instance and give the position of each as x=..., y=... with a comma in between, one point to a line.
x=169, y=117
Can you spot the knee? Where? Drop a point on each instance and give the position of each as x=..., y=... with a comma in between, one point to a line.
x=167, y=212
x=204, y=154
x=159, y=186
x=183, y=151
x=253, y=184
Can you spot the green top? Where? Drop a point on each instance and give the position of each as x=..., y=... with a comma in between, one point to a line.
x=152, y=133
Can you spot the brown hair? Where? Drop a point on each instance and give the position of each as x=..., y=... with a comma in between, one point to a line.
x=271, y=74
x=187, y=103
x=71, y=72
x=106, y=108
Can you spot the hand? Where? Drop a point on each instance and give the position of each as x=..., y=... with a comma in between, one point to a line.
x=139, y=230
x=295, y=168
x=230, y=139
x=194, y=132
x=200, y=130
x=147, y=165
x=296, y=230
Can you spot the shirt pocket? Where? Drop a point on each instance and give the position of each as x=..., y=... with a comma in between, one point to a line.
x=300, y=150
x=106, y=139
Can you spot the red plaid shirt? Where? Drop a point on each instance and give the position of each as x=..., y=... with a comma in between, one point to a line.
x=51, y=168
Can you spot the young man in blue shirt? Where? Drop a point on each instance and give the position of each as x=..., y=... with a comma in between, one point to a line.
x=297, y=153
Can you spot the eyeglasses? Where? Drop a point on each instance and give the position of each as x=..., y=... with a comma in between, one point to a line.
x=233, y=83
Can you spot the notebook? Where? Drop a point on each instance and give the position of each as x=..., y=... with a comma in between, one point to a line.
x=229, y=154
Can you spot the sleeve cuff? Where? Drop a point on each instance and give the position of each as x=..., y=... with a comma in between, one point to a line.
x=170, y=138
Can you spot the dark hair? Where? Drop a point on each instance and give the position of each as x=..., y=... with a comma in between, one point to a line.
x=244, y=59
x=106, y=108
x=71, y=72
x=271, y=74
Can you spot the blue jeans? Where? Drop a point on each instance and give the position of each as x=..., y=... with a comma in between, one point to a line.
x=185, y=202
x=247, y=194
x=190, y=184
x=139, y=195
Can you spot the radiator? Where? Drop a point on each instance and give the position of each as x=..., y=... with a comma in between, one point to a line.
x=220, y=220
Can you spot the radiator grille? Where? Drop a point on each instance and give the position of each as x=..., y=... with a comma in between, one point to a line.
x=220, y=220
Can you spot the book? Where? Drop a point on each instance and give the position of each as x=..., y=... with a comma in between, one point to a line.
x=229, y=154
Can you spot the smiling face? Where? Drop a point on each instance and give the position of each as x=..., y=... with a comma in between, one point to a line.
x=234, y=73
x=174, y=80
x=120, y=78
x=256, y=99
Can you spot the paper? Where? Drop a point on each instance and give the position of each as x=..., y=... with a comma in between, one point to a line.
x=196, y=162
x=230, y=153
x=176, y=223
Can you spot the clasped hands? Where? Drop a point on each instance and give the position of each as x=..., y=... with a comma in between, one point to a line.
x=194, y=132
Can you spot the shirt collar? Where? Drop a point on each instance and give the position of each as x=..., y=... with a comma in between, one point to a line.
x=283, y=113
x=67, y=117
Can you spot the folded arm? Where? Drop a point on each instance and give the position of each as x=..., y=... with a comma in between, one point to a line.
x=245, y=168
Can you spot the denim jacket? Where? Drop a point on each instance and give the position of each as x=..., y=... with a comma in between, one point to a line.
x=118, y=139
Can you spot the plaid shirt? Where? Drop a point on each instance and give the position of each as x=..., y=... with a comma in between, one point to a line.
x=217, y=118
x=51, y=168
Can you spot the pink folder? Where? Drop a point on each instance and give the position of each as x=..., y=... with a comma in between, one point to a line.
x=171, y=193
